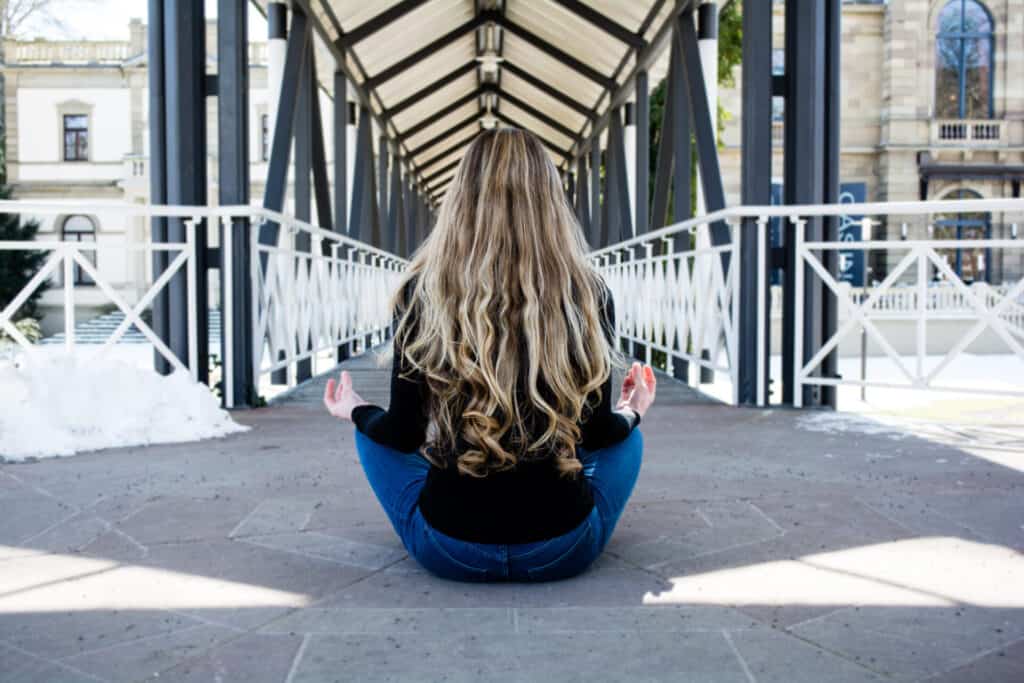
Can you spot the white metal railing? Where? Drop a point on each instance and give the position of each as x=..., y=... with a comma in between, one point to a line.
x=684, y=304
x=310, y=301
x=945, y=300
x=65, y=256
x=967, y=130
x=676, y=293
x=304, y=303
x=86, y=52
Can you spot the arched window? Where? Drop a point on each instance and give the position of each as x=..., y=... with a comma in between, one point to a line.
x=80, y=229
x=971, y=263
x=964, y=61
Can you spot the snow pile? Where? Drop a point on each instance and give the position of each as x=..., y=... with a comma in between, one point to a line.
x=57, y=405
x=830, y=422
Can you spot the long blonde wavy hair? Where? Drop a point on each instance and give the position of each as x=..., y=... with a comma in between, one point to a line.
x=503, y=272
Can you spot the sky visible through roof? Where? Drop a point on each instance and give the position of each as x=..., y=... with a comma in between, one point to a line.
x=108, y=20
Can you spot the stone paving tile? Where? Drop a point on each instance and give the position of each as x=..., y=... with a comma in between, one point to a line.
x=908, y=643
x=406, y=585
x=246, y=659
x=72, y=535
x=1000, y=664
x=245, y=564
x=56, y=635
x=627, y=619
x=28, y=514
x=333, y=548
x=881, y=537
x=726, y=524
x=174, y=519
x=145, y=658
x=367, y=620
x=19, y=667
x=521, y=657
x=277, y=515
x=773, y=656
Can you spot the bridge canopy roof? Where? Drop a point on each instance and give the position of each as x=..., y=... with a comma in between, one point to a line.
x=434, y=71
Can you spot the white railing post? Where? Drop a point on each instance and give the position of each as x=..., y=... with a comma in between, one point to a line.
x=227, y=310
x=798, y=312
x=762, y=306
x=193, y=350
x=68, y=251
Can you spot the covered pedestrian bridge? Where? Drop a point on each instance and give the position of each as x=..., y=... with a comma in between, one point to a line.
x=762, y=543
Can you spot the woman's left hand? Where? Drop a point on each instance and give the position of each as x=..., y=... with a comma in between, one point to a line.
x=340, y=398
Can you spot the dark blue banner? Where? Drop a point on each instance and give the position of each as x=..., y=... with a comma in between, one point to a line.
x=851, y=261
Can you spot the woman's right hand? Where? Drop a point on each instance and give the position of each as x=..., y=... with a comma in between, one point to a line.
x=638, y=389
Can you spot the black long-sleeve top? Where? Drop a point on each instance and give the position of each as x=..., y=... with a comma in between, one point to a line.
x=528, y=503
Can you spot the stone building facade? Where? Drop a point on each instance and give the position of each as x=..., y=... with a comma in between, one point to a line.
x=932, y=98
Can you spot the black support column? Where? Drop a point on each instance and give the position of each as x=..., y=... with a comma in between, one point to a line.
x=303, y=188
x=641, y=212
x=830, y=191
x=185, y=171
x=756, y=181
x=157, y=173
x=233, y=172
x=807, y=158
x=341, y=123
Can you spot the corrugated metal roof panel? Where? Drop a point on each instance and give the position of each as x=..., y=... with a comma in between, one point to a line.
x=564, y=29
x=436, y=100
x=427, y=71
x=438, y=127
x=568, y=32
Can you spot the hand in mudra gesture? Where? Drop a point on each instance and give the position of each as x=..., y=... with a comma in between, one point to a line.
x=341, y=398
x=638, y=389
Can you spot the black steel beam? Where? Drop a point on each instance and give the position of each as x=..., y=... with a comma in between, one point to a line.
x=583, y=194
x=440, y=172
x=557, y=54
x=603, y=22
x=643, y=60
x=158, y=172
x=756, y=189
x=321, y=181
x=429, y=90
x=396, y=211
x=804, y=161
x=443, y=184
x=663, y=173
x=365, y=216
x=596, y=214
x=281, y=145
x=539, y=115
x=441, y=137
x=425, y=51
x=444, y=154
x=444, y=111
x=378, y=22
x=383, y=157
x=704, y=129
x=233, y=189
x=682, y=147
x=547, y=143
x=303, y=187
x=830, y=189
x=341, y=123
x=618, y=214
x=643, y=154
x=184, y=63
x=549, y=90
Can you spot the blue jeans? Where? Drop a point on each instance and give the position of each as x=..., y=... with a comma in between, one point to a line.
x=397, y=479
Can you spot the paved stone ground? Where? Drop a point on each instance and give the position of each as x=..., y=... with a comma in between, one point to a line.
x=753, y=550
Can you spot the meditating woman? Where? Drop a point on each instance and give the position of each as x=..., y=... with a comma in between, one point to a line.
x=501, y=456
